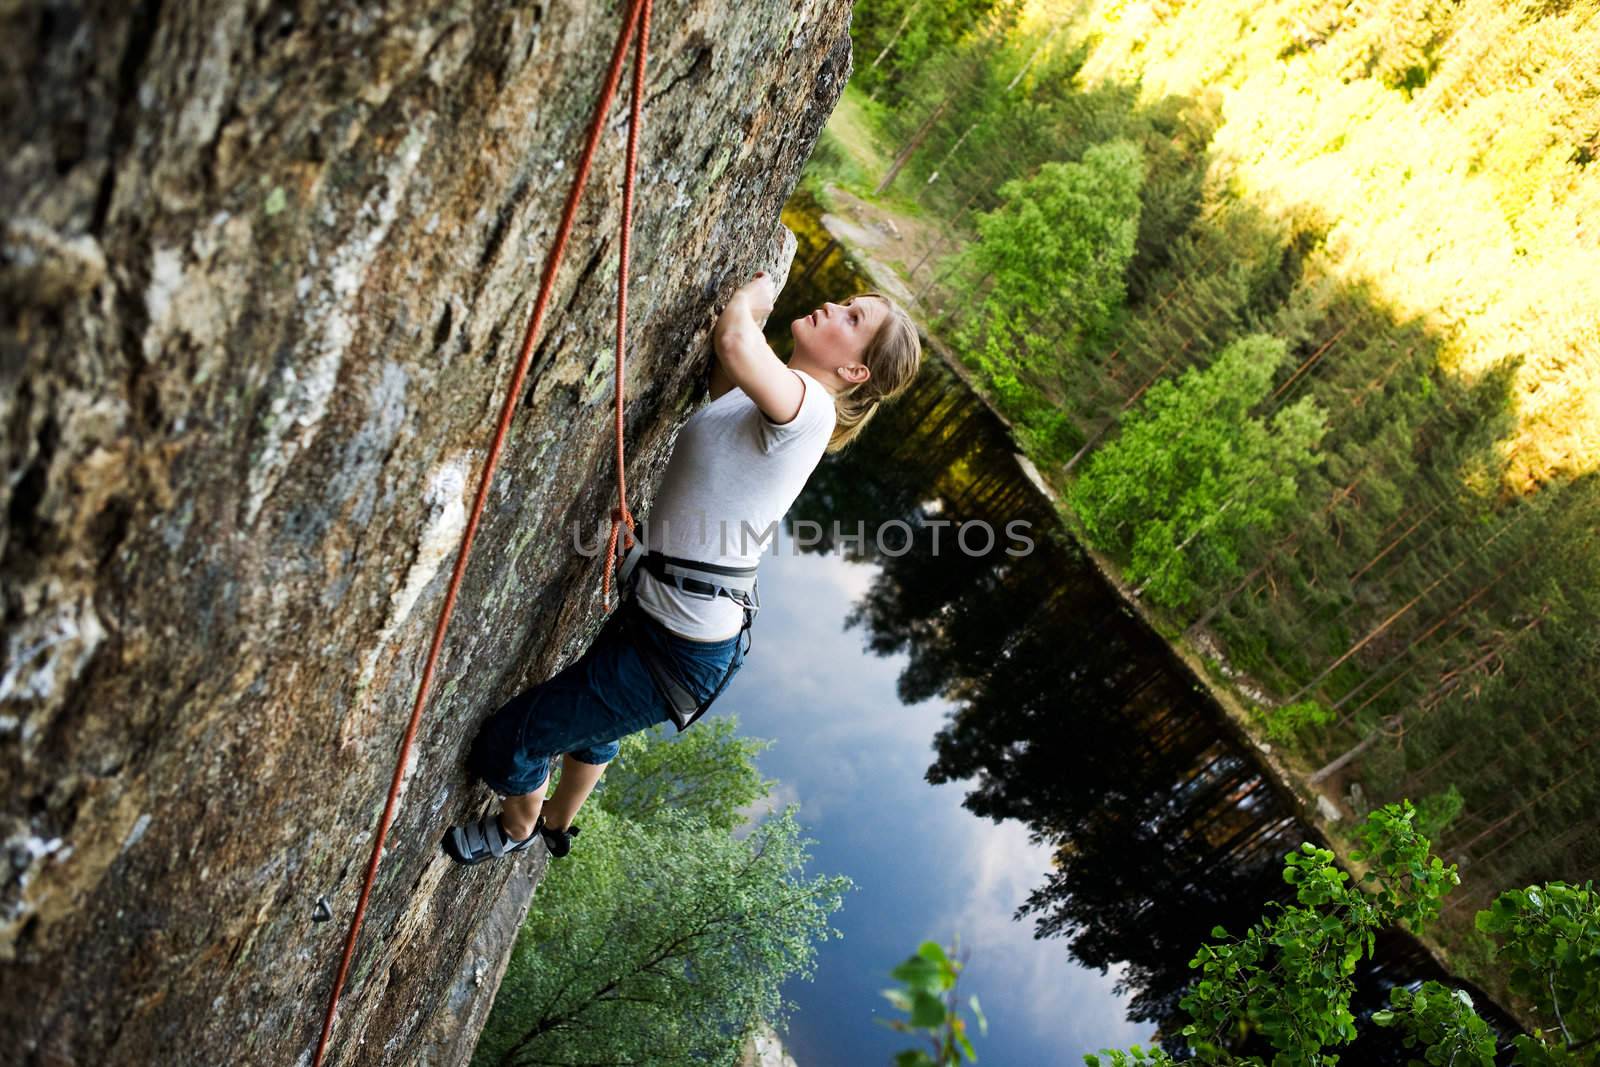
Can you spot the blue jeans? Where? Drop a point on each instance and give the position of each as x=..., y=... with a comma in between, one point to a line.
x=587, y=708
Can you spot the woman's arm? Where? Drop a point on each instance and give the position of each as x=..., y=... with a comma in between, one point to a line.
x=720, y=382
x=745, y=359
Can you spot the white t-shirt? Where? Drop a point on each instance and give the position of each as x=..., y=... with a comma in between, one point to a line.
x=733, y=474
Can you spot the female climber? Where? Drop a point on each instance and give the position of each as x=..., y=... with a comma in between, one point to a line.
x=736, y=467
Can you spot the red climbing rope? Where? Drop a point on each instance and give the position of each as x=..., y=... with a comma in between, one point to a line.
x=638, y=15
x=620, y=513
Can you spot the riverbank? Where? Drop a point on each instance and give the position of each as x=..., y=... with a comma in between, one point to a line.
x=881, y=243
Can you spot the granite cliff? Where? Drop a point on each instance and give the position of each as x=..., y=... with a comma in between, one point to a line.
x=263, y=271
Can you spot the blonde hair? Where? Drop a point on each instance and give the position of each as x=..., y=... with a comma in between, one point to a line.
x=893, y=355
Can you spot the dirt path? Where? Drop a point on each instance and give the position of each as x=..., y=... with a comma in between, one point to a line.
x=893, y=242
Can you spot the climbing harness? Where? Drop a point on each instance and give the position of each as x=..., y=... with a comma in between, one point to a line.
x=637, y=17
x=704, y=581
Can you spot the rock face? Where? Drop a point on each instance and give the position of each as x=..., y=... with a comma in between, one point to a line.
x=264, y=271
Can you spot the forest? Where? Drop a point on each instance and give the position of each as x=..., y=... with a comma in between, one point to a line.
x=1298, y=306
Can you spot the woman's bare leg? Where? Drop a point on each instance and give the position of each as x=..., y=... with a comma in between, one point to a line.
x=519, y=815
x=577, y=782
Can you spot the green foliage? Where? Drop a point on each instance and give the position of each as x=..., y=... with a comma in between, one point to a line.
x=1192, y=474
x=1438, y=811
x=1046, y=433
x=1057, y=250
x=709, y=769
x=1283, y=723
x=1442, y=1023
x=912, y=32
x=1288, y=978
x=1551, y=937
x=1131, y=1057
x=1408, y=885
x=662, y=938
x=1061, y=241
x=928, y=995
x=658, y=943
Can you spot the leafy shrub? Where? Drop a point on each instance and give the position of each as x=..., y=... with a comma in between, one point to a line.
x=929, y=997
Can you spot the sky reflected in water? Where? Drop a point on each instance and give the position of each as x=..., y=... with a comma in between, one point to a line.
x=853, y=757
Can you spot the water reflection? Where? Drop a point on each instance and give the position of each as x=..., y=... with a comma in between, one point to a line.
x=855, y=758
x=1068, y=718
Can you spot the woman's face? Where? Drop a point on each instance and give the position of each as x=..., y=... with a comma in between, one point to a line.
x=836, y=335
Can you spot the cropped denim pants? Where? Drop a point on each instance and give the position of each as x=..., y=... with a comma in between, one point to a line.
x=588, y=707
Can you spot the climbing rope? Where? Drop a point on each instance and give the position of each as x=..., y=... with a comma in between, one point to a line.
x=638, y=16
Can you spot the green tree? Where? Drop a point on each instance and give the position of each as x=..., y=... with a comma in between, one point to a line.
x=1057, y=250
x=1288, y=980
x=709, y=770
x=892, y=36
x=1288, y=977
x=1192, y=473
x=661, y=943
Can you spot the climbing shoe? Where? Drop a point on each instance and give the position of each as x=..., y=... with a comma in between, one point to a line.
x=484, y=840
x=559, y=842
